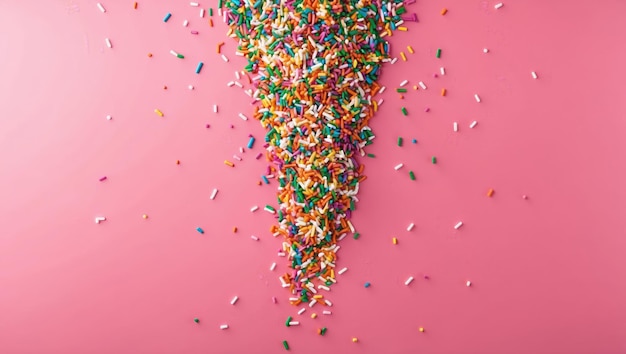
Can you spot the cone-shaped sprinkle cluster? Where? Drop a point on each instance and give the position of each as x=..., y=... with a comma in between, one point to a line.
x=317, y=63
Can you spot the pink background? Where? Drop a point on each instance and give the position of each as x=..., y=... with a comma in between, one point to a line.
x=548, y=273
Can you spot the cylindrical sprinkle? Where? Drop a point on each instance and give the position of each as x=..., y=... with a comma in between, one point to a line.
x=285, y=344
x=101, y=7
x=438, y=53
x=399, y=141
x=251, y=142
x=199, y=67
x=167, y=17
x=412, y=175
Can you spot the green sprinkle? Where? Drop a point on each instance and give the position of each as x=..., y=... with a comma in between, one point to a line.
x=180, y=56
x=196, y=320
x=434, y=160
x=356, y=236
x=210, y=11
x=438, y=53
x=412, y=175
x=371, y=155
x=401, y=90
x=404, y=111
x=219, y=4
x=399, y=141
x=323, y=331
x=286, y=345
x=288, y=320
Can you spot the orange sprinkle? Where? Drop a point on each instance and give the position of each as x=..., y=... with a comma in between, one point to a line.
x=443, y=11
x=235, y=229
x=219, y=47
x=135, y=5
x=490, y=192
x=443, y=92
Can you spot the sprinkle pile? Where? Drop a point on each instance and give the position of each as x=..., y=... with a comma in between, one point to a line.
x=317, y=62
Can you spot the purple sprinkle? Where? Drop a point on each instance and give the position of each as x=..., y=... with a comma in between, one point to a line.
x=208, y=126
x=102, y=178
x=194, y=32
x=427, y=109
x=259, y=155
x=232, y=126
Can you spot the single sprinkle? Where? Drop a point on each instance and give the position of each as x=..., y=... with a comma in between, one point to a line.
x=200, y=230
x=167, y=17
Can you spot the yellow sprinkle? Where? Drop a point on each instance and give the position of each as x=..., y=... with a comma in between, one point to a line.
x=395, y=241
x=421, y=329
x=375, y=105
x=158, y=112
x=402, y=28
x=410, y=49
x=145, y=216
x=313, y=315
x=355, y=339
x=228, y=163
x=414, y=87
x=403, y=56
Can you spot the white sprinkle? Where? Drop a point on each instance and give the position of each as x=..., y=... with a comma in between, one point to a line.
x=455, y=126
x=404, y=83
x=219, y=11
x=294, y=323
x=238, y=84
x=101, y=7
x=485, y=50
x=254, y=237
x=380, y=102
x=230, y=83
x=411, y=226
x=398, y=166
x=108, y=43
x=477, y=97
x=328, y=303
x=185, y=23
x=312, y=303
x=422, y=85
x=109, y=117
x=214, y=108
x=201, y=13
x=326, y=312
x=394, y=60
x=498, y=5
x=342, y=271
x=534, y=75
x=408, y=281
x=442, y=70
x=173, y=53
x=214, y=193
x=351, y=226
x=301, y=311
x=273, y=266
x=100, y=219
x=323, y=287
x=254, y=208
x=190, y=87
x=193, y=4
x=382, y=89
x=469, y=283
x=241, y=150
x=237, y=75
x=224, y=58
x=458, y=225
x=473, y=124
x=234, y=300
x=224, y=326
x=237, y=158
x=242, y=116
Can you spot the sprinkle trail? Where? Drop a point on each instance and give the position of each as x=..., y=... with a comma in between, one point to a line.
x=316, y=66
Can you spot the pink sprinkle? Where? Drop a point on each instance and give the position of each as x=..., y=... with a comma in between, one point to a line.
x=102, y=178
x=524, y=196
x=274, y=299
x=427, y=109
x=208, y=125
x=435, y=75
x=426, y=277
x=259, y=156
x=194, y=32
x=232, y=126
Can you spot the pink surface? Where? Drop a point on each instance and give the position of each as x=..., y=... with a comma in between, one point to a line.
x=547, y=272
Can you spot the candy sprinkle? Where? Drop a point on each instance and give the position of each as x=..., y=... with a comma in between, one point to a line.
x=316, y=66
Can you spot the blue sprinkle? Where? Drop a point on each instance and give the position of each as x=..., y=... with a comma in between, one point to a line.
x=367, y=284
x=199, y=67
x=199, y=229
x=265, y=179
x=251, y=142
x=414, y=141
x=167, y=17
